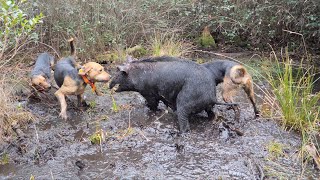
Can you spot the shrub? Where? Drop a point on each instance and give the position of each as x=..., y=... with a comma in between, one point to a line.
x=16, y=27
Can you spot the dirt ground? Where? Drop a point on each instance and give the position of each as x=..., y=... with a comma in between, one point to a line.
x=139, y=144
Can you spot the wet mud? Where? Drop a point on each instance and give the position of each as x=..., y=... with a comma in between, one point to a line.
x=139, y=144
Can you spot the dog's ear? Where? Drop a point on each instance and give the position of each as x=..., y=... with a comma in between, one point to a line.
x=84, y=70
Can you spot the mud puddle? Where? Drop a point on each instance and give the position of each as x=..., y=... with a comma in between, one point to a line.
x=139, y=144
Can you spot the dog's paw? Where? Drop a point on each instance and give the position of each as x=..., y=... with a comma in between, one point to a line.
x=63, y=116
x=84, y=104
x=257, y=114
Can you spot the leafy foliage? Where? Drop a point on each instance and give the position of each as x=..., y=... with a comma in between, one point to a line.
x=17, y=27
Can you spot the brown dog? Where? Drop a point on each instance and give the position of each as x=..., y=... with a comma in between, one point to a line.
x=41, y=73
x=72, y=80
x=233, y=76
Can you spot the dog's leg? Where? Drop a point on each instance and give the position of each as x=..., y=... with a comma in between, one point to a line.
x=248, y=88
x=211, y=114
x=81, y=102
x=228, y=91
x=63, y=104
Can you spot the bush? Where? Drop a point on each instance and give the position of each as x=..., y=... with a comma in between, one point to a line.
x=16, y=27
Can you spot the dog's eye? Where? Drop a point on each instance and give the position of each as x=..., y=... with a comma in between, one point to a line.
x=101, y=70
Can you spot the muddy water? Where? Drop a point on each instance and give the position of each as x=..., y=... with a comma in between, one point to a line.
x=139, y=144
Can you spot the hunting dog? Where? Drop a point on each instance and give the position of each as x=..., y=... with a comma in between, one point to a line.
x=73, y=78
x=41, y=73
x=233, y=76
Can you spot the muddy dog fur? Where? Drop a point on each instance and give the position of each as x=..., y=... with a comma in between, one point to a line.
x=41, y=73
x=71, y=77
x=233, y=76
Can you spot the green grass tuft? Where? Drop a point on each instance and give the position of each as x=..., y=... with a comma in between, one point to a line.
x=292, y=86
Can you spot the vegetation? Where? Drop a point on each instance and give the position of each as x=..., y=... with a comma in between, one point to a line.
x=293, y=85
x=17, y=29
x=105, y=25
x=164, y=44
x=275, y=149
x=12, y=116
x=206, y=40
x=295, y=102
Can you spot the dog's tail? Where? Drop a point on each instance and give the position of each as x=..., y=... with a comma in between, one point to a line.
x=239, y=74
x=73, y=50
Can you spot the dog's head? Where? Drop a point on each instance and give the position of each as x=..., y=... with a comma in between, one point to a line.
x=40, y=83
x=95, y=72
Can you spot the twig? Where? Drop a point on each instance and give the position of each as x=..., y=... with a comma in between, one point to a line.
x=142, y=134
x=51, y=175
x=51, y=48
x=129, y=119
x=165, y=112
x=37, y=135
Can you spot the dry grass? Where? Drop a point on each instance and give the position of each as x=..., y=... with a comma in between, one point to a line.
x=169, y=44
x=12, y=114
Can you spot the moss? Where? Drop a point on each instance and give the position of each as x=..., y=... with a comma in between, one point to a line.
x=206, y=40
x=107, y=57
x=5, y=159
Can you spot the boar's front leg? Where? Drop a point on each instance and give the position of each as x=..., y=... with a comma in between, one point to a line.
x=210, y=113
x=152, y=103
x=183, y=117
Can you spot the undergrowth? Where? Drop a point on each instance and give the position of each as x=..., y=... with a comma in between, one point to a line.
x=295, y=103
x=168, y=44
x=12, y=115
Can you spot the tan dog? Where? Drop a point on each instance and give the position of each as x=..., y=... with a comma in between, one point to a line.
x=72, y=80
x=41, y=73
x=233, y=76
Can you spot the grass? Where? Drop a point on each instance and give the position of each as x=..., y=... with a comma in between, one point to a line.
x=295, y=103
x=292, y=86
x=170, y=45
x=275, y=149
x=114, y=105
x=11, y=114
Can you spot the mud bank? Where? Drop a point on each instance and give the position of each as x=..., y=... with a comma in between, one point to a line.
x=139, y=144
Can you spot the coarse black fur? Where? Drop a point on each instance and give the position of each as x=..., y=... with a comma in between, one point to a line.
x=182, y=85
x=43, y=65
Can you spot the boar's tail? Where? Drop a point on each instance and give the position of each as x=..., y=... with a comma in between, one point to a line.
x=227, y=104
x=239, y=74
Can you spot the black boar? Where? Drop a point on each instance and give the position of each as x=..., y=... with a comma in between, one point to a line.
x=183, y=85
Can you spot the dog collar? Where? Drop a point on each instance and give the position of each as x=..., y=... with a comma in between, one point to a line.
x=87, y=81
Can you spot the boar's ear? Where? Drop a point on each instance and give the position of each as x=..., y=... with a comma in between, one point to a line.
x=123, y=68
